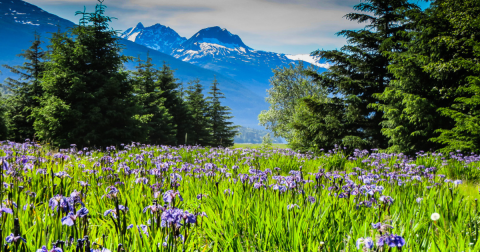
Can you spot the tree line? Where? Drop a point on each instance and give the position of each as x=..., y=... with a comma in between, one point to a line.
x=79, y=92
x=408, y=81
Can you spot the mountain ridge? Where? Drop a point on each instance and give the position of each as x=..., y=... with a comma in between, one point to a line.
x=245, y=104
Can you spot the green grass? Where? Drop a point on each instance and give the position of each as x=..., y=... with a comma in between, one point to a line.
x=240, y=217
x=259, y=146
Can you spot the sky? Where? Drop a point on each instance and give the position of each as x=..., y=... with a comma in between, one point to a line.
x=282, y=26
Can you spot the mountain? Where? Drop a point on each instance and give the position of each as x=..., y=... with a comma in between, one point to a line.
x=21, y=19
x=158, y=37
x=219, y=50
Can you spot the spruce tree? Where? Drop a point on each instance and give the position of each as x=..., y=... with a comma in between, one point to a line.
x=198, y=111
x=172, y=93
x=156, y=121
x=24, y=92
x=3, y=122
x=434, y=102
x=359, y=71
x=88, y=99
x=222, y=130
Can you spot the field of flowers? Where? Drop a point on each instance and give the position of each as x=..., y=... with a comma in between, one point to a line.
x=157, y=198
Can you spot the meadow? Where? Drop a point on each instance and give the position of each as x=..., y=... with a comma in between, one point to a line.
x=157, y=198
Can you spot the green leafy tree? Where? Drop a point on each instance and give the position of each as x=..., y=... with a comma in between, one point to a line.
x=87, y=96
x=319, y=123
x=157, y=123
x=359, y=70
x=198, y=110
x=288, y=86
x=24, y=92
x=222, y=130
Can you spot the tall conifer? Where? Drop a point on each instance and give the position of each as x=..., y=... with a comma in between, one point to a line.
x=198, y=111
x=156, y=121
x=25, y=92
x=88, y=98
x=222, y=130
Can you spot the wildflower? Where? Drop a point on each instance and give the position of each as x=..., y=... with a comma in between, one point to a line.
x=201, y=196
x=435, y=216
x=395, y=241
x=59, y=201
x=292, y=206
x=457, y=182
x=419, y=200
x=114, y=213
x=5, y=210
x=44, y=249
x=11, y=238
x=170, y=195
x=153, y=208
x=311, y=199
x=69, y=220
x=172, y=217
x=367, y=242
x=189, y=218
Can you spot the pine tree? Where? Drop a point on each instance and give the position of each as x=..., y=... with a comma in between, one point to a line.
x=172, y=93
x=433, y=103
x=3, y=122
x=156, y=120
x=88, y=98
x=359, y=70
x=222, y=130
x=24, y=92
x=198, y=111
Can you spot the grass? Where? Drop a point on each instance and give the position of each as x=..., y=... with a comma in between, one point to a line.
x=238, y=199
x=259, y=146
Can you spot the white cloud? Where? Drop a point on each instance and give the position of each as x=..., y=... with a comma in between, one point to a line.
x=260, y=23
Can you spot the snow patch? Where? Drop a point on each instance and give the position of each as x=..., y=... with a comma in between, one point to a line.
x=133, y=36
x=314, y=60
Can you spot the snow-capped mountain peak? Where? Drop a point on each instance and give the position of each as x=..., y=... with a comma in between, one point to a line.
x=216, y=36
x=158, y=37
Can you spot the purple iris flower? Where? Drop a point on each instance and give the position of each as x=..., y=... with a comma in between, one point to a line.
x=69, y=220
x=59, y=201
x=291, y=206
x=395, y=241
x=311, y=199
x=12, y=238
x=5, y=210
x=170, y=195
x=367, y=242
x=54, y=249
x=113, y=212
x=189, y=218
x=153, y=208
x=172, y=217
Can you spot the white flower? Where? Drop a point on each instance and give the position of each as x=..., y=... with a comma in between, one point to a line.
x=435, y=216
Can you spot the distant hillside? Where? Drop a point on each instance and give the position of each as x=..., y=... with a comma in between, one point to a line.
x=249, y=135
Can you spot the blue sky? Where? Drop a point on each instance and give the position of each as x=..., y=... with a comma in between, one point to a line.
x=283, y=26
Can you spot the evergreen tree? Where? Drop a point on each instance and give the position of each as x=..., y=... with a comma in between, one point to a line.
x=359, y=71
x=172, y=95
x=24, y=92
x=198, y=111
x=157, y=122
x=87, y=96
x=222, y=130
x=434, y=101
x=3, y=123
